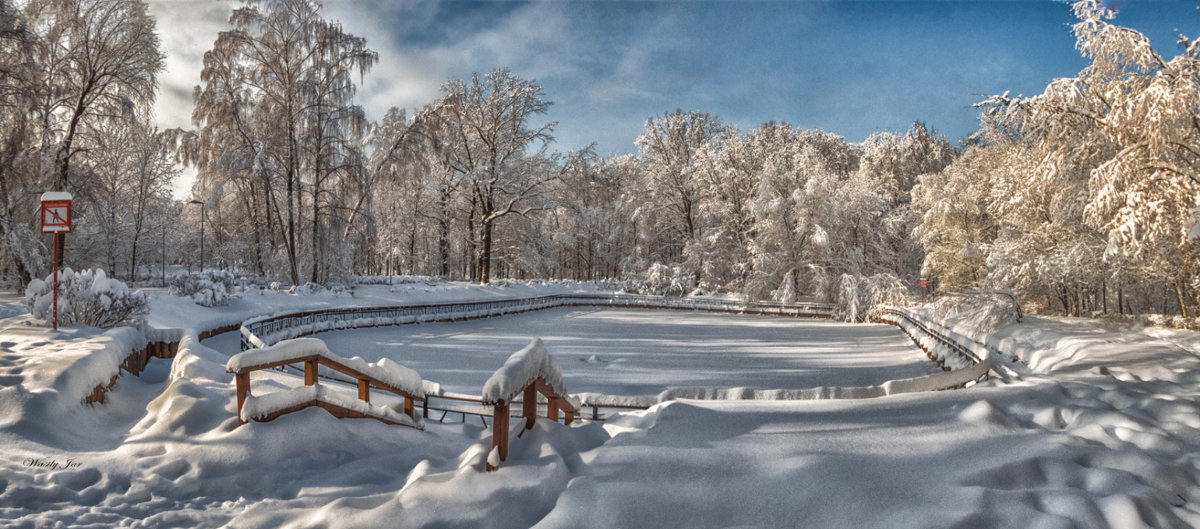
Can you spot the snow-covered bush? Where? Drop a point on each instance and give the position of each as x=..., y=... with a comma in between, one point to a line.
x=390, y=280
x=985, y=310
x=786, y=293
x=312, y=289
x=87, y=297
x=663, y=280
x=210, y=288
x=860, y=297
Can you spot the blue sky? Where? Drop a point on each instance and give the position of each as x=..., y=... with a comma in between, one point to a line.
x=849, y=67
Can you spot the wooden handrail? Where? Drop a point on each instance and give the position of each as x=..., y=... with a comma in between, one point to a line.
x=529, y=392
x=364, y=381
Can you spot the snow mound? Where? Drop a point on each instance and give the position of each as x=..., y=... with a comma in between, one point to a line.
x=527, y=364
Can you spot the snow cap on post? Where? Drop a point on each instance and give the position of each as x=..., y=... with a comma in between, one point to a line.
x=55, y=195
x=522, y=367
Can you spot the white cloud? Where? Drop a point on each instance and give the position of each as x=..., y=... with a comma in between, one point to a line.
x=187, y=29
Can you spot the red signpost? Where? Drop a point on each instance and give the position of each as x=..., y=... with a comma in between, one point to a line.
x=56, y=219
x=924, y=283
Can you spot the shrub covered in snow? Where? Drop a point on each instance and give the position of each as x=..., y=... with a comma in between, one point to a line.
x=87, y=297
x=663, y=280
x=860, y=297
x=392, y=280
x=210, y=288
x=313, y=289
x=984, y=310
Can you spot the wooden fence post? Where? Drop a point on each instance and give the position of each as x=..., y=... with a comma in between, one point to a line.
x=529, y=407
x=364, y=390
x=500, y=431
x=310, y=372
x=243, y=390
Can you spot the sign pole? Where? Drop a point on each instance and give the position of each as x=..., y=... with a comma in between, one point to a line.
x=56, y=220
x=56, y=236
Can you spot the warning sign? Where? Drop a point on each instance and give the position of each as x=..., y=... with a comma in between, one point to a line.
x=56, y=213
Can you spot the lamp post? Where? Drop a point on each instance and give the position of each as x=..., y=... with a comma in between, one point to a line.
x=162, y=264
x=202, y=211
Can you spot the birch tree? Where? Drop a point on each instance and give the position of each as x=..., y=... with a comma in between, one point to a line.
x=18, y=152
x=274, y=113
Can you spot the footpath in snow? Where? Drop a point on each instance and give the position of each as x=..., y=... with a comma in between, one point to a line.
x=1096, y=427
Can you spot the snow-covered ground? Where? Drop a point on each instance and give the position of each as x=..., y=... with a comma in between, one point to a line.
x=1100, y=429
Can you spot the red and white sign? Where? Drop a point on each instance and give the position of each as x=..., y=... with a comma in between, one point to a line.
x=924, y=282
x=56, y=212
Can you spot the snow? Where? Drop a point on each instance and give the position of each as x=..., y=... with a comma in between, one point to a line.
x=55, y=195
x=522, y=367
x=1095, y=426
x=385, y=370
x=257, y=407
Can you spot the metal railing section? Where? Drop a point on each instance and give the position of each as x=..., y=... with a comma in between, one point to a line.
x=268, y=330
x=930, y=335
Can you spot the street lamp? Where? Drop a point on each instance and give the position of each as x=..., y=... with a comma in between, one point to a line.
x=202, y=208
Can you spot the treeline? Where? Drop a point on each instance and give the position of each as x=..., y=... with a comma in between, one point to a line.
x=1079, y=199
x=77, y=81
x=1083, y=198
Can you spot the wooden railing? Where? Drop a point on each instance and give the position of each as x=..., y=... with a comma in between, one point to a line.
x=529, y=408
x=364, y=381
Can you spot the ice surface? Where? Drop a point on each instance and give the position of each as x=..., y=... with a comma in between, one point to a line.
x=641, y=353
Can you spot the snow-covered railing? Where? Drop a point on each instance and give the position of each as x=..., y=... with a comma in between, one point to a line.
x=267, y=330
x=313, y=353
x=529, y=371
x=963, y=359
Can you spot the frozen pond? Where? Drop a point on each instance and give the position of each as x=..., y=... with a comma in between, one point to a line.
x=643, y=352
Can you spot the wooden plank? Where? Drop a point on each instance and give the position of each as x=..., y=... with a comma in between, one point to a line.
x=364, y=390
x=375, y=382
x=408, y=407
x=269, y=365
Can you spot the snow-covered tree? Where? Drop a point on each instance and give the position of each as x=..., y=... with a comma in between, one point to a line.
x=488, y=139
x=276, y=119
x=1111, y=171
x=19, y=247
x=670, y=146
x=131, y=169
x=97, y=58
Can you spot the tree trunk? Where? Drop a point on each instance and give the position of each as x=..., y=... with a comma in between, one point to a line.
x=485, y=254
x=1179, y=298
